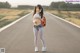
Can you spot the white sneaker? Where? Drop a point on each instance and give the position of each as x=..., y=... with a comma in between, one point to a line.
x=43, y=49
x=36, y=49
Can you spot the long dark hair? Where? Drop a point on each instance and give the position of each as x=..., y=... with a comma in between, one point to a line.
x=41, y=12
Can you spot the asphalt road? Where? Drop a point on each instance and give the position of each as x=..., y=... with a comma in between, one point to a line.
x=60, y=36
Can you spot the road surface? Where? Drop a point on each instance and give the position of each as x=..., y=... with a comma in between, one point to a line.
x=60, y=36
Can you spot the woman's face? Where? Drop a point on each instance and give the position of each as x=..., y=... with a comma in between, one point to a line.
x=37, y=9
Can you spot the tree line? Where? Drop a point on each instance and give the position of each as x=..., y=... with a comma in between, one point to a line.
x=53, y=6
x=64, y=6
x=5, y=5
x=57, y=6
x=25, y=7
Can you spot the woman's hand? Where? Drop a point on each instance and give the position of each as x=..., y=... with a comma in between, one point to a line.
x=36, y=21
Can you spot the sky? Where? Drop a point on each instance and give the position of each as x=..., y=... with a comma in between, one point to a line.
x=14, y=3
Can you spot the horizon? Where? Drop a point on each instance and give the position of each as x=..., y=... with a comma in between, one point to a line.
x=15, y=3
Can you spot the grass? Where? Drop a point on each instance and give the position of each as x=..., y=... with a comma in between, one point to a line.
x=72, y=16
x=9, y=15
x=1, y=16
x=74, y=20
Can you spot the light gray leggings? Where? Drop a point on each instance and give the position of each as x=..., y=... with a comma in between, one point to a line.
x=40, y=31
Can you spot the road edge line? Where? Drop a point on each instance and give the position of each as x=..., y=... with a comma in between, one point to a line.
x=65, y=20
x=5, y=27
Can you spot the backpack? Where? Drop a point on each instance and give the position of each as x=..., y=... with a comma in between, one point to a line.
x=43, y=21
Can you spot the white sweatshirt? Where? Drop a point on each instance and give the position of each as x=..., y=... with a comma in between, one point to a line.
x=36, y=19
x=36, y=15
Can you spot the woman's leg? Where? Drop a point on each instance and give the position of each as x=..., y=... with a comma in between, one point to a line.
x=35, y=36
x=42, y=36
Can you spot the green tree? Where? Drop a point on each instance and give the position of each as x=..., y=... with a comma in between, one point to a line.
x=4, y=5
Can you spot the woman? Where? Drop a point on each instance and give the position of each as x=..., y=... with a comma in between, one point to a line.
x=38, y=28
